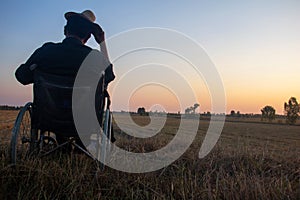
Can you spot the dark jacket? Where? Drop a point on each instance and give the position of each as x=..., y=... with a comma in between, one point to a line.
x=62, y=58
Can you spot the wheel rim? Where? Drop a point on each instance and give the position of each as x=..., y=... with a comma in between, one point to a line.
x=24, y=138
x=21, y=135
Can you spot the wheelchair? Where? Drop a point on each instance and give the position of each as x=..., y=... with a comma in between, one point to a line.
x=39, y=123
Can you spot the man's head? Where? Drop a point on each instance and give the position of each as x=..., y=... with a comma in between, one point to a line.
x=80, y=25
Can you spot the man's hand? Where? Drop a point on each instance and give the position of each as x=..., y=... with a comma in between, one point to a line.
x=98, y=33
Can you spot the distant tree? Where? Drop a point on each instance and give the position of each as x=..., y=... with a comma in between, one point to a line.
x=141, y=111
x=238, y=114
x=268, y=112
x=232, y=113
x=291, y=109
x=187, y=110
x=196, y=105
x=192, y=109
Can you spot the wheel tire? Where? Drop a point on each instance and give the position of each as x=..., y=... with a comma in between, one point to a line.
x=22, y=140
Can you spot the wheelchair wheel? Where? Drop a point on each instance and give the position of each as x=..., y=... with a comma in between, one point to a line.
x=105, y=141
x=23, y=137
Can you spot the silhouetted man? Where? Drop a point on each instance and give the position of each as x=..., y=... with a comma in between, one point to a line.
x=65, y=58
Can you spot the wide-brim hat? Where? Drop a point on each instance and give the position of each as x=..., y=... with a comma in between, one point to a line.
x=87, y=14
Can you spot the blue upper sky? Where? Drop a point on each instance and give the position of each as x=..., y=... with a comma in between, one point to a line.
x=246, y=39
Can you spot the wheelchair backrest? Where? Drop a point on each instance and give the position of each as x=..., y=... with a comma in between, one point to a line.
x=52, y=104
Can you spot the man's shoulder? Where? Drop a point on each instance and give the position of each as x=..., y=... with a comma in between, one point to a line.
x=64, y=45
x=49, y=45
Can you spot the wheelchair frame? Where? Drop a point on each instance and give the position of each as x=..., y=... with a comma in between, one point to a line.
x=29, y=142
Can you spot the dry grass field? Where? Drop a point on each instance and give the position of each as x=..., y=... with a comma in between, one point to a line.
x=7, y=119
x=250, y=161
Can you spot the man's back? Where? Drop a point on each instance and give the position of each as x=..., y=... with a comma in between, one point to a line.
x=62, y=58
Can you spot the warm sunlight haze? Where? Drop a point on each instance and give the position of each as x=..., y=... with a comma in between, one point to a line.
x=255, y=46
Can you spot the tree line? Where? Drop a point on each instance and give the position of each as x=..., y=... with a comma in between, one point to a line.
x=6, y=107
x=291, y=109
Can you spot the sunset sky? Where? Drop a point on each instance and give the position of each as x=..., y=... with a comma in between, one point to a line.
x=255, y=46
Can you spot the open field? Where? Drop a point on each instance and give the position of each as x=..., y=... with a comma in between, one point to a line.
x=250, y=161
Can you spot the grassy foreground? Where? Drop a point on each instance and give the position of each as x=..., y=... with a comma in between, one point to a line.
x=250, y=161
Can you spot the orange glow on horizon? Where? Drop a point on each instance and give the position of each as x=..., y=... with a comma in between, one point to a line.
x=150, y=96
